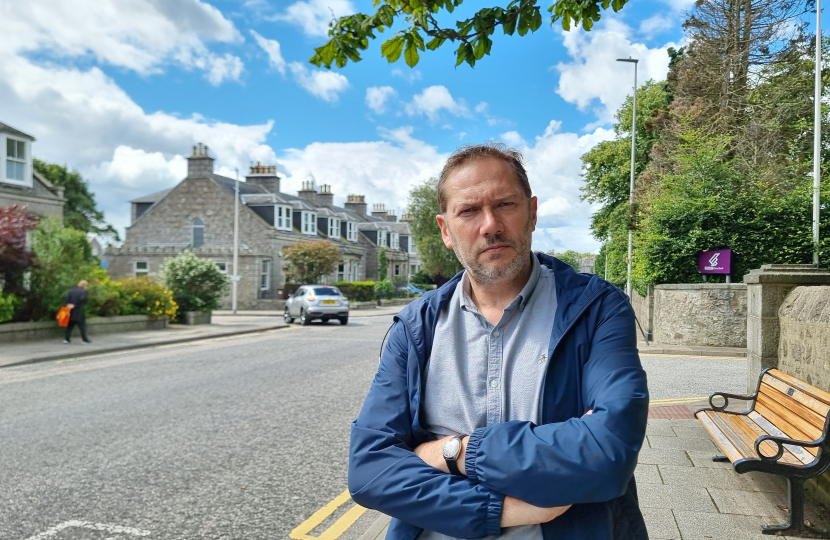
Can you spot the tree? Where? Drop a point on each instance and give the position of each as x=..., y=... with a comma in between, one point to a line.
x=80, y=211
x=571, y=257
x=351, y=34
x=383, y=264
x=309, y=261
x=15, y=256
x=436, y=259
x=197, y=283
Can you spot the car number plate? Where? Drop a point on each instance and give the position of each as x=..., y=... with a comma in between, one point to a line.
x=329, y=301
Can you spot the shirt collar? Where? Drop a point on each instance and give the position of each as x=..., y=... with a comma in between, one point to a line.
x=522, y=298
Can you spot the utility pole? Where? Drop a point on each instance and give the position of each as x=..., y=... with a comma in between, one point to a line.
x=817, y=137
x=631, y=185
x=235, y=276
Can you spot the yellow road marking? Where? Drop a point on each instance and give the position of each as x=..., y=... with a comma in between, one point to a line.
x=337, y=528
x=673, y=401
x=696, y=357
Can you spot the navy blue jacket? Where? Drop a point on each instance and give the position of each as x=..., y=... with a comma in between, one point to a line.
x=588, y=462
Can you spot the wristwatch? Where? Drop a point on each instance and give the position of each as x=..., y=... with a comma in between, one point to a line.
x=451, y=451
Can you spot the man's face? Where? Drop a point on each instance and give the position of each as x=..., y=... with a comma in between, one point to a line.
x=488, y=221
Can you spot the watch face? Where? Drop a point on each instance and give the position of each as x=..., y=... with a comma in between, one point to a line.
x=451, y=448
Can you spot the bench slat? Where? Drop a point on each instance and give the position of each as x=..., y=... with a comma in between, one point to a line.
x=720, y=439
x=818, y=407
x=813, y=423
x=748, y=431
x=805, y=455
x=817, y=393
x=785, y=420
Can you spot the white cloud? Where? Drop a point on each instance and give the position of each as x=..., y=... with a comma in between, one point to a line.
x=139, y=35
x=272, y=49
x=81, y=117
x=377, y=96
x=409, y=76
x=432, y=100
x=595, y=53
x=513, y=139
x=384, y=170
x=656, y=25
x=313, y=16
x=321, y=83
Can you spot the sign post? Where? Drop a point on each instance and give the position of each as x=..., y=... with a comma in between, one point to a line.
x=715, y=261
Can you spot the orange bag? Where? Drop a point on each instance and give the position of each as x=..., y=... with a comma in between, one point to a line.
x=63, y=317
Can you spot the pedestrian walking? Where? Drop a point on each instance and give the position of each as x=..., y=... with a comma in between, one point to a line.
x=75, y=300
x=510, y=402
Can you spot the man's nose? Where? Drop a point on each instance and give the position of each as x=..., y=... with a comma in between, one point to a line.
x=491, y=223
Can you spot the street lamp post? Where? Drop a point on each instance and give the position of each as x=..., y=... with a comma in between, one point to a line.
x=631, y=184
x=817, y=136
x=235, y=276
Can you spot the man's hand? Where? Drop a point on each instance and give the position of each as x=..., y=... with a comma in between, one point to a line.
x=431, y=454
x=515, y=512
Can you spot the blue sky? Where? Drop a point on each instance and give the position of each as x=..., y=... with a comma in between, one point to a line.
x=121, y=91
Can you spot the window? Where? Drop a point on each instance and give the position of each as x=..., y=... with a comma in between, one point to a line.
x=394, y=241
x=283, y=220
x=341, y=272
x=334, y=228
x=381, y=238
x=326, y=291
x=142, y=268
x=223, y=267
x=412, y=269
x=309, y=223
x=354, y=270
x=265, y=275
x=198, y=233
x=397, y=269
x=351, y=231
x=410, y=243
x=15, y=160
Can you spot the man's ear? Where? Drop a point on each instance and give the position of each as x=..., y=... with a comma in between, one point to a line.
x=533, y=202
x=445, y=231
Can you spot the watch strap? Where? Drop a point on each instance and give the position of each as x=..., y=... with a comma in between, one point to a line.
x=452, y=463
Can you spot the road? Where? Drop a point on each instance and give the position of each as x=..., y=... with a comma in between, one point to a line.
x=237, y=438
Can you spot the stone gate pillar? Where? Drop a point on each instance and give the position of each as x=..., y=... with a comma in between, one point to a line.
x=766, y=289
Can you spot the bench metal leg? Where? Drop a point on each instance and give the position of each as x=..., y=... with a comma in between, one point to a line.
x=720, y=459
x=795, y=522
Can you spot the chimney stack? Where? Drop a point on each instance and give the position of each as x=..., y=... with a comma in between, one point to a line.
x=264, y=176
x=357, y=204
x=406, y=218
x=200, y=164
x=379, y=211
x=308, y=193
x=390, y=216
x=325, y=196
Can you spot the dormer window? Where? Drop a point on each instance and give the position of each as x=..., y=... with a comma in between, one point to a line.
x=309, y=223
x=282, y=219
x=394, y=241
x=351, y=231
x=381, y=238
x=334, y=228
x=16, y=161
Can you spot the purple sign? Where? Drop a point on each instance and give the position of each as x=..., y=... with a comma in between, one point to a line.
x=716, y=261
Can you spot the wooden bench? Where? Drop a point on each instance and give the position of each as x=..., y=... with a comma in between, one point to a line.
x=783, y=433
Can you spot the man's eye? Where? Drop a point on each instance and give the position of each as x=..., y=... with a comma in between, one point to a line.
x=506, y=204
x=467, y=211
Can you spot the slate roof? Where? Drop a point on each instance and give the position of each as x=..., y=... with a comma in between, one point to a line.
x=153, y=198
x=244, y=187
x=5, y=128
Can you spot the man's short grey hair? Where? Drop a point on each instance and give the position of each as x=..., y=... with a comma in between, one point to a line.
x=471, y=152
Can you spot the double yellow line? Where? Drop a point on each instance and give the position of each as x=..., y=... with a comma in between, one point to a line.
x=337, y=528
x=676, y=401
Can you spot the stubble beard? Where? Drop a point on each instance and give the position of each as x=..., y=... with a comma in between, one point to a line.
x=488, y=276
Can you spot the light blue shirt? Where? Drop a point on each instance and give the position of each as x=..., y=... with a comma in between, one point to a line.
x=480, y=374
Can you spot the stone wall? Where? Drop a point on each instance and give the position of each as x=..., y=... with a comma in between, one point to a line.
x=702, y=314
x=95, y=326
x=804, y=342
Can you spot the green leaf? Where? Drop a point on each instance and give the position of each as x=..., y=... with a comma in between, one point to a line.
x=524, y=22
x=509, y=23
x=435, y=43
x=411, y=54
x=386, y=14
x=392, y=49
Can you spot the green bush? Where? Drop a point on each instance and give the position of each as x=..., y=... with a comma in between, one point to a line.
x=197, y=284
x=8, y=304
x=143, y=296
x=384, y=289
x=357, y=291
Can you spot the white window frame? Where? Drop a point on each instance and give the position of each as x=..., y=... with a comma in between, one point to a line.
x=282, y=218
x=341, y=270
x=334, y=228
x=193, y=228
x=394, y=241
x=381, y=238
x=397, y=269
x=219, y=265
x=265, y=271
x=410, y=244
x=309, y=223
x=141, y=272
x=26, y=161
x=351, y=231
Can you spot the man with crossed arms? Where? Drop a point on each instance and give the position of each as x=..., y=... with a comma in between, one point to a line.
x=510, y=402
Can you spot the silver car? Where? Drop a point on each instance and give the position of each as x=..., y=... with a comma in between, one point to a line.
x=322, y=302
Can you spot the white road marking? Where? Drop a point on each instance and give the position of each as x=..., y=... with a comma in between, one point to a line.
x=116, y=529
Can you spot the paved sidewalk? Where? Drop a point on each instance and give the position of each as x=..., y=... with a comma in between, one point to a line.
x=683, y=350
x=685, y=495
x=223, y=325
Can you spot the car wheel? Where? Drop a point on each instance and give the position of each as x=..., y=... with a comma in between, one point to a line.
x=344, y=320
x=288, y=318
x=304, y=320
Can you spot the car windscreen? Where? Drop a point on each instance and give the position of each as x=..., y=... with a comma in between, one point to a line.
x=326, y=291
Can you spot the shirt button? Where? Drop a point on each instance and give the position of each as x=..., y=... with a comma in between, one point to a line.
x=494, y=383
x=496, y=333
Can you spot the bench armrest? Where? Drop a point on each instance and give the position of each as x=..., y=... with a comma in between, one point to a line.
x=780, y=442
x=726, y=397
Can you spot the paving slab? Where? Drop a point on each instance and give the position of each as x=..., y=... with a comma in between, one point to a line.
x=660, y=427
x=665, y=456
x=660, y=524
x=704, y=459
x=750, y=503
x=682, y=443
x=675, y=498
x=647, y=474
x=692, y=432
x=709, y=526
x=707, y=477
